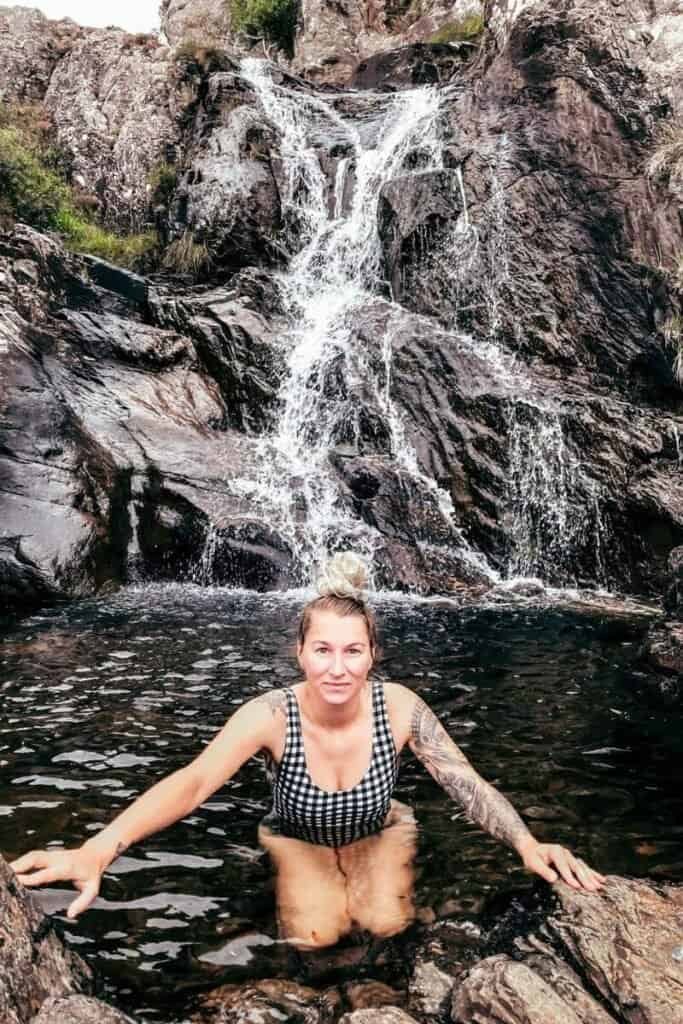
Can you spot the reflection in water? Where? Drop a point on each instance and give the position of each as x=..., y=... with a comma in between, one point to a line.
x=102, y=698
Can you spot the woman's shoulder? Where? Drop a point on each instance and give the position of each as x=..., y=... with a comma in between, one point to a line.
x=397, y=695
x=400, y=702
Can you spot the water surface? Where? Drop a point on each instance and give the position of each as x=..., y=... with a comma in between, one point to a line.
x=101, y=698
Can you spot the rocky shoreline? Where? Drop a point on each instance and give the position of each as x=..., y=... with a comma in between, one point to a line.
x=546, y=956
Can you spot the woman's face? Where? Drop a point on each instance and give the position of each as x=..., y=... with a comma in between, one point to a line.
x=336, y=656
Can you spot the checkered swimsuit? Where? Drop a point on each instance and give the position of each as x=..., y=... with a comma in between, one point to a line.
x=304, y=811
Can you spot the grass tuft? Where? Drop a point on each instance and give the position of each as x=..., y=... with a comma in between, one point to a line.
x=666, y=162
x=186, y=256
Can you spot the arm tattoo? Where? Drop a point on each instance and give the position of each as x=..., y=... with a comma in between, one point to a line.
x=276, y=701
x=482, y=804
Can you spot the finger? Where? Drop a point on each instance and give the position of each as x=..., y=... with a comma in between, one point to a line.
x=589, y=879
x=567, y=871
x=544, y=870
x=42, y=877
x=30, y=861
x=82, y=902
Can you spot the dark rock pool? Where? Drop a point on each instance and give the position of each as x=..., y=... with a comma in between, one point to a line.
x=551, y=702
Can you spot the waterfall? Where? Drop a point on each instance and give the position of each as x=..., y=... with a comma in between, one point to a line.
x=335, y=271
x=553, y=509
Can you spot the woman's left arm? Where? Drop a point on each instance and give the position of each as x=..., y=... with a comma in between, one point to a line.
x=486, y=806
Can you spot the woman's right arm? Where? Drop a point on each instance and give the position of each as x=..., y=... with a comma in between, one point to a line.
x=252, y=727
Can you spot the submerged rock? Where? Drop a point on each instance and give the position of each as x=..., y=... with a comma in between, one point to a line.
x=663, y=651
x=260, y=1002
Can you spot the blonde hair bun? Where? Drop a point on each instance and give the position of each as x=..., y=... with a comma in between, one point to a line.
x=344, y=575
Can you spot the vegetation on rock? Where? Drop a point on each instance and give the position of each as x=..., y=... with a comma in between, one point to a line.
x=207, y=55
x=163, y=179
x=465, y=30
x=34, y=189
x=273, y=20
x=666, y=163
x=187, y=256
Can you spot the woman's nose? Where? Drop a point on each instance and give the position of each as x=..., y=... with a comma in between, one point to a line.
x=338, y=668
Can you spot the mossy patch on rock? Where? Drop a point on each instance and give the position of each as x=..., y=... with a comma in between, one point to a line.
x=466, y=30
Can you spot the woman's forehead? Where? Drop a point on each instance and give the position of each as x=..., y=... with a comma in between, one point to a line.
x=327, y=625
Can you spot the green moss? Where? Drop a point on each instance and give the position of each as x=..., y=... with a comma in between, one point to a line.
x=273, y=20
x=163, y=179
x=33, y=189
x=465, y=30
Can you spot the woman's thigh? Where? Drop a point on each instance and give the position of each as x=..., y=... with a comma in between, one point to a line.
x=380, y=874
x=310, y=890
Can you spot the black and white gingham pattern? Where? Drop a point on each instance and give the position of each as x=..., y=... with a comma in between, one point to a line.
x=303, y=810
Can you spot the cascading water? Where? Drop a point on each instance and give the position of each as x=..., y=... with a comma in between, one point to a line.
x=336, y=271
x=553, y=508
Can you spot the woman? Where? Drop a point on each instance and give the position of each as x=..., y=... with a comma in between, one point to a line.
x=341, y=846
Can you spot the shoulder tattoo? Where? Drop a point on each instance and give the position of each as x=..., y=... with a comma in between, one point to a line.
x=276, y=700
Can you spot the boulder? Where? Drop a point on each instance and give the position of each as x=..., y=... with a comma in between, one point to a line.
x=429, y=990
x=79, y=1010
x=204, y=22
x=34, y=964
x=267, y=1001
x=381, y=1015
x=613, y=957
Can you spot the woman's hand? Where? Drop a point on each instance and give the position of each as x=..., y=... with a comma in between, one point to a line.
x=542, y=857
x=83, y=867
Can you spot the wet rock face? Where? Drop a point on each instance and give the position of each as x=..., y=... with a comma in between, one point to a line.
x=609, y=958
x=228, y=197
x=107, y=417
x=31, y=45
